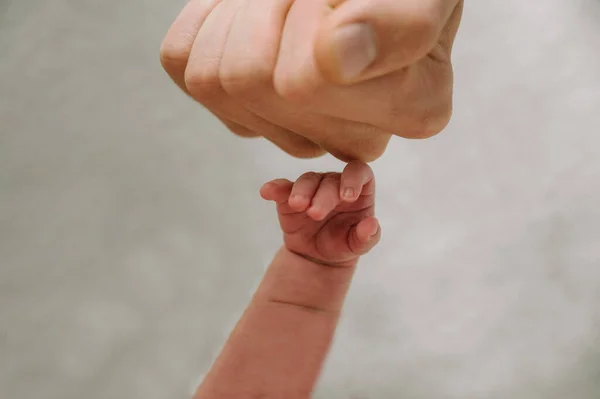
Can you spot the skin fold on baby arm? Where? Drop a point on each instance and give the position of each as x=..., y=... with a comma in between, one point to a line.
x=278, y=347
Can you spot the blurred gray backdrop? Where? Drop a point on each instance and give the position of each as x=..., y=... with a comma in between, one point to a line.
x=132, y=234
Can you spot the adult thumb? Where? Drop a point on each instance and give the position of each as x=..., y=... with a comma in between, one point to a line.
x=364, y=39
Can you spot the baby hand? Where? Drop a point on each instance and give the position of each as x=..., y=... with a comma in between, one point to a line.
x=327, y=217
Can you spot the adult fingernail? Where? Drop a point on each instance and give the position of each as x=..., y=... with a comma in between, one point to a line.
x=349, y=193
x=355, y=48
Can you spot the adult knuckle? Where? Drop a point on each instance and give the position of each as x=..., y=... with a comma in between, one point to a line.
x=369, y=153
x=173, y=53
x=300, y=151
x=414, y=127
x=425, y=125
x=425, y=22
x=293, y=88
x=368, y=148
x=407, y=119
x=422, y=30
x=245, y=78
x=239, y=130
x=243, y=132
x=308, y=151
x=376, y=147
x=296, y=145
x=202, y=83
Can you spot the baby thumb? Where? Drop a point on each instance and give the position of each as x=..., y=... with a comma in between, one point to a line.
x=364, y=236
x=364, y=39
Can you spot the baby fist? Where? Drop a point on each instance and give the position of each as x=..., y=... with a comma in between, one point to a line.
x=327, y=218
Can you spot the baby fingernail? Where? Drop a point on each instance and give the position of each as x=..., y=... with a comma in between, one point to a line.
x=349, y=193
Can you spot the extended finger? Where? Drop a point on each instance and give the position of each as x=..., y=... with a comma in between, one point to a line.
x=277, y=190
x=357, y=178
x=326, y=198
x=304, y=190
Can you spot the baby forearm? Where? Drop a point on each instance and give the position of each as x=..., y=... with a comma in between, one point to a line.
x=277, y=348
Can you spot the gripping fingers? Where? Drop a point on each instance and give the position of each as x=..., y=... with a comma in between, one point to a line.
x=357, y=178
x=304, y=190
x=277, y=190
x=326, y=198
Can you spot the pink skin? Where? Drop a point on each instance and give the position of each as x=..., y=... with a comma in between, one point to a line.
x=278, y=347
x=327, y=217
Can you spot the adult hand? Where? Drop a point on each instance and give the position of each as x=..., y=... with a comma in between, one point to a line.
x=279, y=345
x=340, y=76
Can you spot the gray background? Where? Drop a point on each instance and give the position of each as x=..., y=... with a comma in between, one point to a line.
x=132, y=235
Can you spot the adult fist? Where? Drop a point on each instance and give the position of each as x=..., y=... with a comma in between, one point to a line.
x=316, y=76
